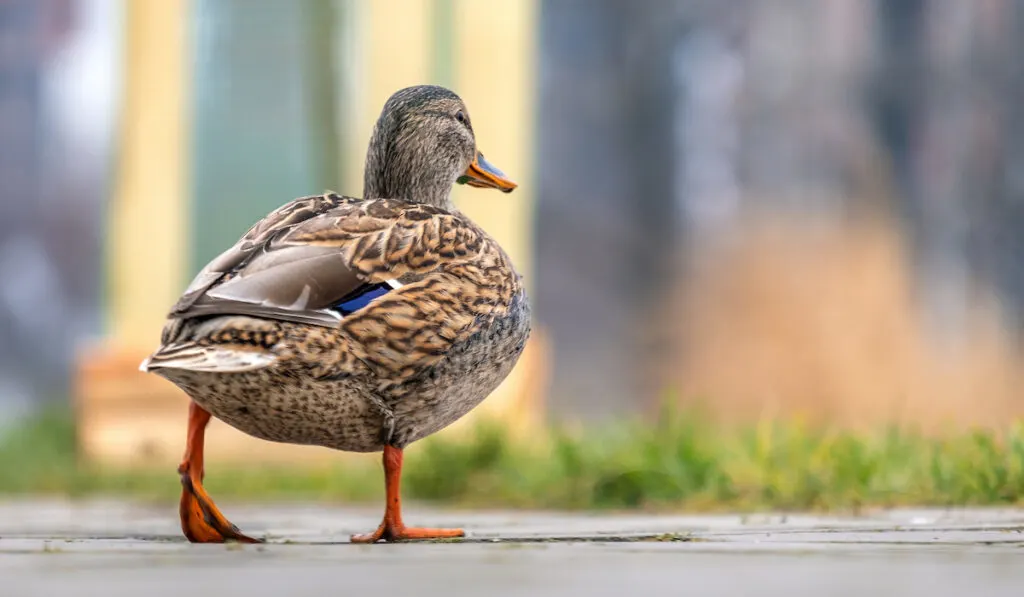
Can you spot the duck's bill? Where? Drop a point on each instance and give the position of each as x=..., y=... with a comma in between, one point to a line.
x=485, y=175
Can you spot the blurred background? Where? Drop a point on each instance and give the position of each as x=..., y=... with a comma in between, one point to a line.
x=765, y=209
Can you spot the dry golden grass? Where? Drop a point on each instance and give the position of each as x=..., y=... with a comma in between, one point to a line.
x=820, y=322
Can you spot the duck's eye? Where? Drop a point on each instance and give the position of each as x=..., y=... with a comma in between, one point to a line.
x=460, y=116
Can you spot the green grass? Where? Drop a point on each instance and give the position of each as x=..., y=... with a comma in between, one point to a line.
x=681, y=462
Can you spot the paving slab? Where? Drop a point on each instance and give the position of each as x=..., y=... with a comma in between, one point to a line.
x=111, y=548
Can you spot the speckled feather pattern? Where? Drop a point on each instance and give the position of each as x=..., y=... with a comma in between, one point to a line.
x=408, y=364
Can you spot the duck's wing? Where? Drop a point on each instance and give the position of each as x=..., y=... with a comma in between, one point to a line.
x=233, y=262
x=270, y=274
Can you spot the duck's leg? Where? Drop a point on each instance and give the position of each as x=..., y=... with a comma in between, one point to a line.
x=392, y=528
x=201, y=521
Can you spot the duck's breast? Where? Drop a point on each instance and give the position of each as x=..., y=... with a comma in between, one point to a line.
x=470, y=371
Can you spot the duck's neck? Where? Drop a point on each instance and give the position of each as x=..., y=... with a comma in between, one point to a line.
x=407, y=178
x=408, y=186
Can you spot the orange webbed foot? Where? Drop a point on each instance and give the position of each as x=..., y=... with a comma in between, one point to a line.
x=386, y=532
x=201, y=521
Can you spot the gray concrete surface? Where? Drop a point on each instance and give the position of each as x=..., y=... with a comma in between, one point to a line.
x=112, y=549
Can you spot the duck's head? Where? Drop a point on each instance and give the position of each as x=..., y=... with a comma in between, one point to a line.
x=423, y=144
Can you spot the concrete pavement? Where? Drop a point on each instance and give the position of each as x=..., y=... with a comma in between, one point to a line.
x=113, y=549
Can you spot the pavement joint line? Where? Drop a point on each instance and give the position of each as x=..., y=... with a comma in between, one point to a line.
x=1009, y=528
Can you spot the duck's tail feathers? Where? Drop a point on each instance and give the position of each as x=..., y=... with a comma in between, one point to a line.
x=214, y=359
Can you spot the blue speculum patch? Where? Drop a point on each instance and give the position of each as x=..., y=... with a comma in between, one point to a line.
x=361, y=297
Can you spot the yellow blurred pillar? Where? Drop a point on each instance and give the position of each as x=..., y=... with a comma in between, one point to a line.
x=494, y=72
x=147, y=249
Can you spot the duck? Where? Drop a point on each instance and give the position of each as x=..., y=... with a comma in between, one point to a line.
x=354, y=324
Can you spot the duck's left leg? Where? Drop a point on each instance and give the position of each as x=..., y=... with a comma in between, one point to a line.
x=392, y=528
x=201, y=521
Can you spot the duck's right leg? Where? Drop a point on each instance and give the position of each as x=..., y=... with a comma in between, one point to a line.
x=392, y=528
x=201, y=521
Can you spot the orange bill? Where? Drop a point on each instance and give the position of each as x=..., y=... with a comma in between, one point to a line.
x=485, y=175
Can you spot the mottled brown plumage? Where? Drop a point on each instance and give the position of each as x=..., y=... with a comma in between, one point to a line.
x=266, y=337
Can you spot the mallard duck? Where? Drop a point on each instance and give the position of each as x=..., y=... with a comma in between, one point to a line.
x=355, y=324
